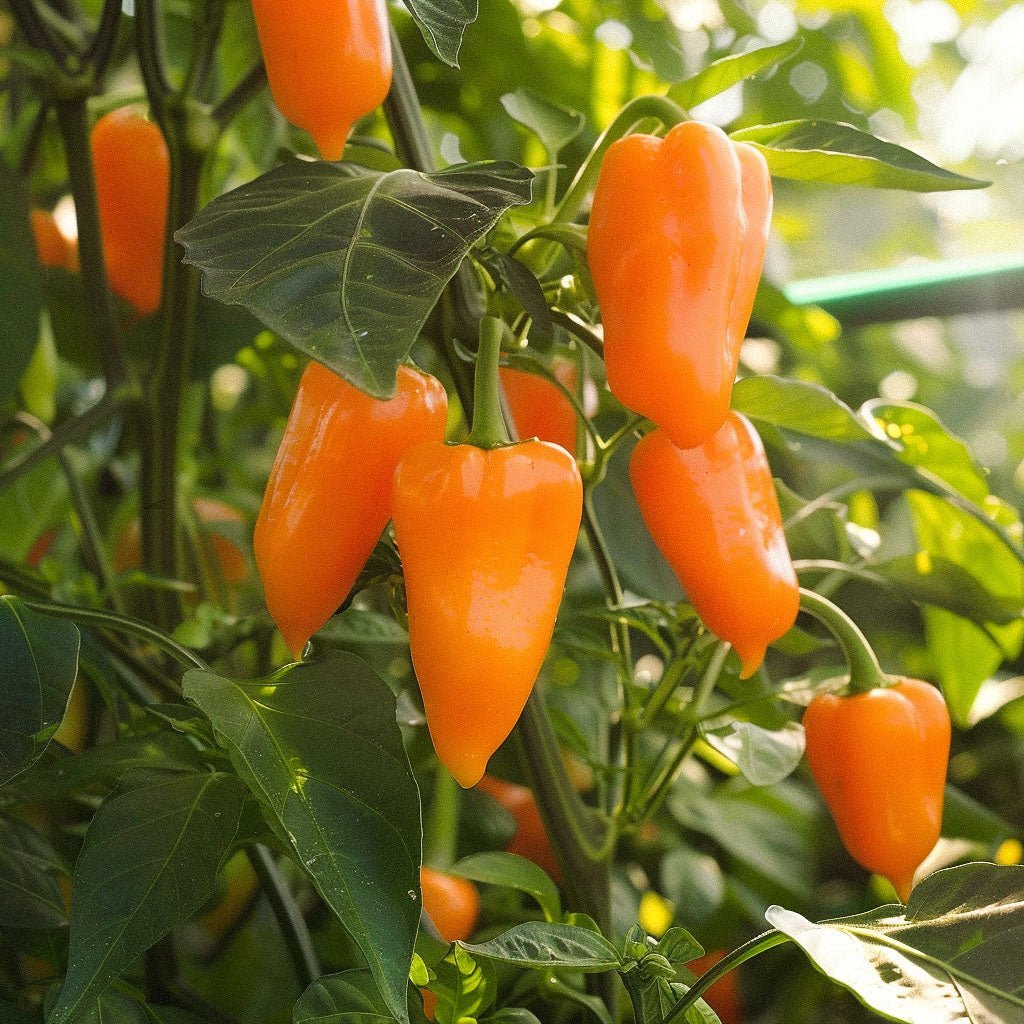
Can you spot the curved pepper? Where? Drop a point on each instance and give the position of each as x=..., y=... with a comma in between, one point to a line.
x=677, y=240
x=879, y=759
x=485, y=538
x=328, y=63
x=714, y=514
x=538, y=408
x=329, y=495
x=451, y=903
x=133, y=180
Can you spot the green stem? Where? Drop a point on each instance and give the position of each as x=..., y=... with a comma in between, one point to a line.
x=204, y=49
x=579, y=330
x=33, y=29
x=289, y=918
x=667, y=685
x=121, y=624
x=247, y=90
x=489, y=430
x=102, y=46
x=441, y=829
x=643, y=108
x=73, y=120
x=865, y=672
x=756, y=946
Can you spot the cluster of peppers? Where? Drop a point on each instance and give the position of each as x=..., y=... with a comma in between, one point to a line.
x=486, y=529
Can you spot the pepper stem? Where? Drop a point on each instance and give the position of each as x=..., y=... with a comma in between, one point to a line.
x=865, y=672
x=489, y=430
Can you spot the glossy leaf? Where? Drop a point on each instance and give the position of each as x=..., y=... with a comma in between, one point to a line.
x=952, y=955
x=29, y=894
x=726, y=72
x=555, y=126
x=319, y=745
x=513, y=872
x=798, y=406
x=350, y=997
x=345, y=264
x=443, y=23
x=764, y=756
x=839, y=154
x=542, y=945
x=150, y=862
x=37, y=671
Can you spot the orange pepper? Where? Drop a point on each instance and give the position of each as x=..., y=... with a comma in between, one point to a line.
x=328, y=63
x=714, y=513
x=133, y=175
x=724, y=996
x=678, y=234
x=485, y=538
x=329, y=495
x=879, y=759
x=538, y=408
x=53, y=249
x=531, y=837
x=451, y=903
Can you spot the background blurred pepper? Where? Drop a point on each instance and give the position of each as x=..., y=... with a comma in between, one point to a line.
x=538, y=408
x=451, y=903
x=531, y=838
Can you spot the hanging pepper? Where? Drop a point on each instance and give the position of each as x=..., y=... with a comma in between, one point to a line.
x=538, y=407
x=328, y=63
x=531, y=837
x=52, y=248
x=451, y=903
x=677, y=240
x=133, y=180
x=713, y=512
x=486, y=530
x=879, y=756
x=329, y=495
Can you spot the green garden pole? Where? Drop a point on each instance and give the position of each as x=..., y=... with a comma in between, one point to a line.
x=948, y=288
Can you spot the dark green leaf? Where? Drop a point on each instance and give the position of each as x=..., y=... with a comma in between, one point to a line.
x=951, y=955
x=443, y=23
x=29, y=894
x=344, y=264
x=542, y=945
x=351, y=997
x=319, y=745
x=798, y=406
x=695, y=880
x=515, y=873
x=360, y=627
x=522, y=283
x=555, y=126
x=37, y=671
x=678, y=946
x=725, y=72
x=840, y=154
x=21, y=283
x=150, y=862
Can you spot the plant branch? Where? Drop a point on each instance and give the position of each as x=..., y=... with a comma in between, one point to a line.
x=289, y=918
x=149, y=44
x=102, y=46
x=246, y=90
x=32, y=28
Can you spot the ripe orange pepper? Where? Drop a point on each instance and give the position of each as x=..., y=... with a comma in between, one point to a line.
x=714, y=513
x=677, y=240
x=724, y=996
x=486, y=531
x=451, y=903
x=53, y=249
x=329, y=495
x=879, y=759
x=230, y=558
x=328, y=63
x=531, y=838
x=133, y=175
x=538, y=408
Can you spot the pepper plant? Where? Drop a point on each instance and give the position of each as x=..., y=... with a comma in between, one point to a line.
x=204, y=820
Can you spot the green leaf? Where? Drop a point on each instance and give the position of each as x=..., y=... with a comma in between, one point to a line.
x=443, y=23
x=361, y=627
x=346, y=264
x=725, y=72
x=695, y=880
x=319, y=745
x=798, y=406
x=29, y=894
x=555, y=126
x=37, y=671
x=514, y=872
x=511, y=1015
x=678, y=946
x=150, y=862
x=950, y=956
x=839, y=154
x=464, y=988
x=351, y=997
x=764, y=756
x=21, y=283
x=542, y=945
